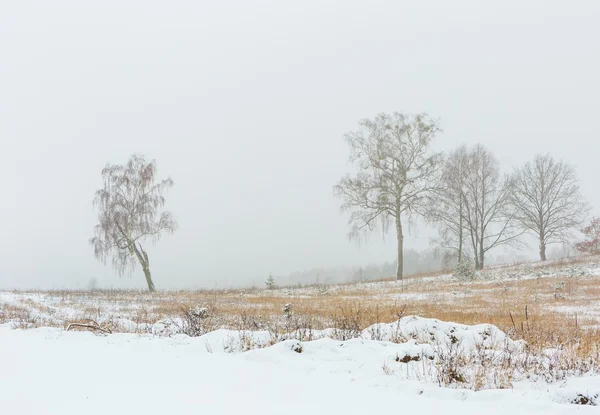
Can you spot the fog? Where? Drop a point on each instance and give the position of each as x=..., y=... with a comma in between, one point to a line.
x=244, y=104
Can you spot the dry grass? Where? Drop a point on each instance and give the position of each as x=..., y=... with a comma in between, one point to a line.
x=551, y=306
x=558, y=305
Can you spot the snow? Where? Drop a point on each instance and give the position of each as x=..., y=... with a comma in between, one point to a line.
x=129, y=311
x=50, y=371
x=426, y=330
x=388, y=368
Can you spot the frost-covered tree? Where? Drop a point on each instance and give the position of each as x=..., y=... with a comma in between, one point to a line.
x=488, y=215
x=446, y=207
x=270, y=283
x=548, y=204
x=397, y=169
x=129, y=213
x=471, y=206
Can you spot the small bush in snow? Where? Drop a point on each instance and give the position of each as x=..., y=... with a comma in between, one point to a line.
x=199, y=312
x=323, y=289
x=193, y=321
x=464, y=270
x=288, y=311
x=294, y=327
x=25, y=319
x=297, y=347
x=582, y=399
x=347, y=323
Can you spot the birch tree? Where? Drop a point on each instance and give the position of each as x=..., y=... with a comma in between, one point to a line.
x=128, y=214
x=396, y=170
x=488, y=217
x=446, y=207
x=547, y=201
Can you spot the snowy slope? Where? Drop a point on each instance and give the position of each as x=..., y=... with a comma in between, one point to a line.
x=50, y=371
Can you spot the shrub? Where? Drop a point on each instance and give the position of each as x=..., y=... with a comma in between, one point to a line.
x=192, y=321
x=464, y=270
x=592, y=243
x=288, y=311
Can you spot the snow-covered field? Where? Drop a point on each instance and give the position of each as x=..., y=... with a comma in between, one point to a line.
x=50, y=371
x=335, y=349
x=562, y=288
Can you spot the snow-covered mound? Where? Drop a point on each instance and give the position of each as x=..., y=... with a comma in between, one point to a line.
x=71, y=372
x=418, y=333
x=412, y=348
x=440, y=333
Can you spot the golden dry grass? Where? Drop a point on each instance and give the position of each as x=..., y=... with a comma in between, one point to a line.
x=561, y=306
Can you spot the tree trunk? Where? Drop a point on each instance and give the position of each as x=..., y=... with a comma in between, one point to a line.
x=151, y=287
x=542, y=235
x=474, y=242
x=481, y=254
x=481, y=242
x=400, y=239
x=460, y=231
x=145, y=263
x=542, y=251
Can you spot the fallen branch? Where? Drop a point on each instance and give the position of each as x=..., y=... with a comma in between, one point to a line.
x=92, y=325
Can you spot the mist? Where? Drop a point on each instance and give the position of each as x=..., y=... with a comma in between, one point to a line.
x=245, y=106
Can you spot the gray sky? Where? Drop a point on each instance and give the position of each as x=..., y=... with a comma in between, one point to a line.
x=244, y=104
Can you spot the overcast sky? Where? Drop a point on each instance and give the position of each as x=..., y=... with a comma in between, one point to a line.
x=245, y=103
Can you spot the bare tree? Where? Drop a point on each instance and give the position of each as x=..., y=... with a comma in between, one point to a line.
x=396, y=170
x=488, y=217
x=128, y=214
x=547, y=200
x=446, y=207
